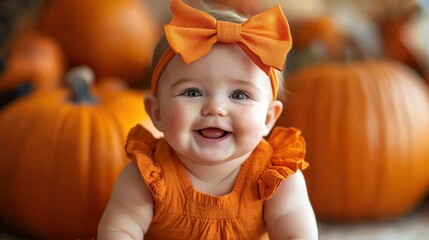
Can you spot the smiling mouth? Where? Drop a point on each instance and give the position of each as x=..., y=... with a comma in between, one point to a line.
x=212, y=133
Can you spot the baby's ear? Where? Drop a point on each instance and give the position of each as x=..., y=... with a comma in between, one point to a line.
x=151, y=106
x=274, y=110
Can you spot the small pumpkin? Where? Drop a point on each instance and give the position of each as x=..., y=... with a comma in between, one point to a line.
x=60, y=153
x=318, y=30
x=314, y=40
x=394, y=41
x=114, y=38
x=366, y=125
x=32, y=58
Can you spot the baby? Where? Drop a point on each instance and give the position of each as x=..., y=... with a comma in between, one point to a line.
x=213, y=175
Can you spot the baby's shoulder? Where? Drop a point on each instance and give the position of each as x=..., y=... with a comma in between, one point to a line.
x=287, y=148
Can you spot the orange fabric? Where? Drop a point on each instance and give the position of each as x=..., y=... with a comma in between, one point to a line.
x=181, y=212
x=265, y=38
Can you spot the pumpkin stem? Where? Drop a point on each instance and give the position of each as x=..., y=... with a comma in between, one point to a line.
x=80, y=79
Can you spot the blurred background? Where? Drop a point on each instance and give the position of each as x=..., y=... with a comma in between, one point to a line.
x=357, y=86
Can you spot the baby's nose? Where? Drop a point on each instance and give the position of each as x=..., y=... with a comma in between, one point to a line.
x=214, y=107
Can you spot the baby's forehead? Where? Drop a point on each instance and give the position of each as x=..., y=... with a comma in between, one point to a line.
x=222, y=57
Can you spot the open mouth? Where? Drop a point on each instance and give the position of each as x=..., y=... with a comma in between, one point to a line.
x=212, y=133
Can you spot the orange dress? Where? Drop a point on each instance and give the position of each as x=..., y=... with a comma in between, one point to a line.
x=181, y=212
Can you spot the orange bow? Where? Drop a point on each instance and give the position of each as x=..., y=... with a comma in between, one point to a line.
x=265, y=38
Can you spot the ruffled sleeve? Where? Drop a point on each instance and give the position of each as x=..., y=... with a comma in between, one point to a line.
x=288, y=157
x=140, y=147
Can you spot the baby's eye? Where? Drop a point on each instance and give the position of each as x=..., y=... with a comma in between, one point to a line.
x=239, y=95
x=192, y=93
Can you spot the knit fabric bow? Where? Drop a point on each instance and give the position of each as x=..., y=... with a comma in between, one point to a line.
x=265, y=38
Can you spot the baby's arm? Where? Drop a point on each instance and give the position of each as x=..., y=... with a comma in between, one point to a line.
x=289, y=214
x=130, y=209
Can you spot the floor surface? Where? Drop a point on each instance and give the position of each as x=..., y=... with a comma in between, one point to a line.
x=413, y=226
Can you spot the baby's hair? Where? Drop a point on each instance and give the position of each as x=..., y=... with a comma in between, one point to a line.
x=220, y=13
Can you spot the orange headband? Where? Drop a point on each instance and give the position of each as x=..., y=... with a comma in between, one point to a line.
x=265, y=38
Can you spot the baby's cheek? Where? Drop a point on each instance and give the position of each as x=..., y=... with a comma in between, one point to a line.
x=176, y=118
x=250, y=122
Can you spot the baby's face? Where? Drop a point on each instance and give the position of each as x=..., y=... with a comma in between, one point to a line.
x=217, y=108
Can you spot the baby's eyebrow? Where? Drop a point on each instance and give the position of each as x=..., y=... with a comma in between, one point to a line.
x=247, y=84
x=236, y=82
x=183, y=81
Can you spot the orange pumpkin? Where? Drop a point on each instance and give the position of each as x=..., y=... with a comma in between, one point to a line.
x=60, y=154
x=320, y=30
x=394, y=42
x=315, y=40
x=366, y=124
x=32, y=58
x=115, y=38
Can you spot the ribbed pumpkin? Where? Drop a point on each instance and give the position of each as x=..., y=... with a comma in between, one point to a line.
x=394, y=41
x=60, y=154
x=366, y=124
x=115, y=38
x=33, y=61
x=315, y=40
x=320, y=30
x=34, y=58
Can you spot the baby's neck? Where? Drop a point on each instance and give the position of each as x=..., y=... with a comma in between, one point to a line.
x=214, y=180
